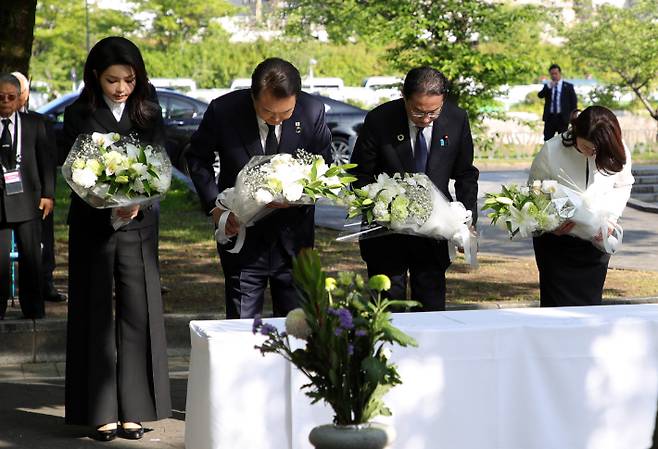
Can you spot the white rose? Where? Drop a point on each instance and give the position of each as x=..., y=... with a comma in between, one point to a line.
x=84, y=177
x=139, y=168
x=549, y=186
x=264, y=196
x=296, y=324
x=293, y=191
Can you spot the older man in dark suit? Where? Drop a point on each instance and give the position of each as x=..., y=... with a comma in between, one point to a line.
x=26, y=191
x=419, y=133
x=274, y=116
x=560, y=101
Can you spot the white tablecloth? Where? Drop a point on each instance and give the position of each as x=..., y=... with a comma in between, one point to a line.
x=564, y=378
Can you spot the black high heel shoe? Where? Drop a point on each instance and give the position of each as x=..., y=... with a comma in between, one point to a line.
x=104, y=435
x=131, y=433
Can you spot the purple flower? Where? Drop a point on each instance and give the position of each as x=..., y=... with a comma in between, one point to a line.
x=350, y=349
x=258, y=322
x=360, y=333
x=338, y=331
x=267, y=329
x=345, y=318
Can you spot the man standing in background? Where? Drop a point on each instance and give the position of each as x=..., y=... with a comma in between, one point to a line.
x=560, y=101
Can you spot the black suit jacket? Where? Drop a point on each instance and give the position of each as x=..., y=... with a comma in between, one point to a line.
x=384, y=146
x=37, y=171
x=79, y=118
x=568, y=101
x=230, y=128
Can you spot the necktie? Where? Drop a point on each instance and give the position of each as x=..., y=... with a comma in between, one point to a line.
x=554, y=102
x=420, y=151
x=271, y=144
x=6, y=149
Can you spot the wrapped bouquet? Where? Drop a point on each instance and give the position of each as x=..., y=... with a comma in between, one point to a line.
x=525, y=211
x=411, y=204
x=281, y=178
x=544, y=206
x=111, y=171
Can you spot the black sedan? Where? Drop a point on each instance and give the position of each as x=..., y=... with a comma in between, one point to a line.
x=182, y=115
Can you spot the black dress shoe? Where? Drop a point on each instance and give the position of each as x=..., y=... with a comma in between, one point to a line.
x=132, y=433
x=104, y=435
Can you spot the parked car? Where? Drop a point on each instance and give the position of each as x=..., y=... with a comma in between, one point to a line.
x=345, y=122
x=182, y=116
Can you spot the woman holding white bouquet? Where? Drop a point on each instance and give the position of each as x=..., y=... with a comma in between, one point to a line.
x=590, y=161
x=116, y=361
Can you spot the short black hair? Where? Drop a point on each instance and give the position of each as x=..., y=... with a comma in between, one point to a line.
x=8, y=78
x=424, y=81
x=555, y=66
x=278, y=76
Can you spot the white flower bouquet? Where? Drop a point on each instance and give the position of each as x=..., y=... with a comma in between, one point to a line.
x=525, y=211
x=544, y=206
x=410, y=204
x=595, y=219
x=110, y=171
x=282, y=178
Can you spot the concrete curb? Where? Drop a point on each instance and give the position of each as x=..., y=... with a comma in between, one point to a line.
x=642, y=206
x=24, y=341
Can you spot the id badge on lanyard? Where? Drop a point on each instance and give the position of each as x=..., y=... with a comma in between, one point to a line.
x=13, y=181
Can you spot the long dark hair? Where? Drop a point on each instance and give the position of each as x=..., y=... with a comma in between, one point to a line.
x=116, y=50
x=600, y=126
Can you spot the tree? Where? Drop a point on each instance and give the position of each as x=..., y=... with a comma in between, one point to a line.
x=621, y=46
x=16, y=34
x=60, y=38
x=178, y=22
x=478, y=45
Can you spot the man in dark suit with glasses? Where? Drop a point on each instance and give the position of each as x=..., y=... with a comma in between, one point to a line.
x=419, y=133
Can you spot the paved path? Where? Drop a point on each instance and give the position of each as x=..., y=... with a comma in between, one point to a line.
x=639, y=249
x=32, y=411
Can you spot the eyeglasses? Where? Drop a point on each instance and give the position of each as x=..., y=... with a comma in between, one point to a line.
x=8, y=97
x=430, y=115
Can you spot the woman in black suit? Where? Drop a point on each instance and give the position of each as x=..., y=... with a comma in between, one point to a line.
x=116, y=363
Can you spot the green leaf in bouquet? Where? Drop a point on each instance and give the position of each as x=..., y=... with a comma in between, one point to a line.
x=367, y=202
x=347, y=179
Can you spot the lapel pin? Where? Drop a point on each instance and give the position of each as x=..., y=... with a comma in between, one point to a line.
x=298, y=127
x=400, y=137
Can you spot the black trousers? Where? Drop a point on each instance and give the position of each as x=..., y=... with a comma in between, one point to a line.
x=28, y=242
x=262, y=260
x=5, y=266
x=572, y=271
x=48, y=250
x=553, y=124
x=116, y=361
x=423, y=260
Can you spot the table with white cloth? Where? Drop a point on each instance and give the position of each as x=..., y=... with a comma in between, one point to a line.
x=553, y=378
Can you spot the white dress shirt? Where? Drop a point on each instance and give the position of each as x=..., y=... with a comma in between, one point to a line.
x=263, y=130
x=14, y=126
x=427, y=134
x=567, y=165
x=116, y=108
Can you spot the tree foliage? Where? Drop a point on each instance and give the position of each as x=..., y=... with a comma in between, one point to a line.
x=478, y=45
x=621, y=46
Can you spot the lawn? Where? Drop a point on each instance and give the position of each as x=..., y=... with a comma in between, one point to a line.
x=190, y=265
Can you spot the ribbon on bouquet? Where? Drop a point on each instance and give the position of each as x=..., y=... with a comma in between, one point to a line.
x=222, y=238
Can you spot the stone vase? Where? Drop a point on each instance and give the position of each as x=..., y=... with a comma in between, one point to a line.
x=356, y=436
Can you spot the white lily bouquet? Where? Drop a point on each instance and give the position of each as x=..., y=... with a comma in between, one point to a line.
x=411, y=204
x=111, y=171
x=525, y=211
x=528, y=211
x=283, y=178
